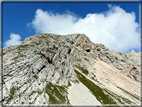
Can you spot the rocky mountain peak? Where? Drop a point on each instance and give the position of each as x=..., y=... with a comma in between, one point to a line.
x=43, y=67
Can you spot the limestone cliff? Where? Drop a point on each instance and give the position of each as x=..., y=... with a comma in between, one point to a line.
x=44, y=68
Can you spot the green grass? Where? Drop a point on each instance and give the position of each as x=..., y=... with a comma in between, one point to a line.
x=15, y=57
x=96, y=90
x=118, y=98
x=39, y=92
x=135, y=96
x=3, y=54
x=57, y=91
x=47, y=42
x=30, y=103
x=135, y=78
x=57, y=37
x=12, y=92
x=69, y=84
x=24, y=46
x=129, y=76
x=37, y=43
x=126, y=56
x=3, y=80
x=19, y=55
x=77, y=60
x=76, y=81
x=29, y=66
x=55, y=42
x=59, y=45
x=82, y=69
x=35, y=76
x=9, y=75
x=43, y=37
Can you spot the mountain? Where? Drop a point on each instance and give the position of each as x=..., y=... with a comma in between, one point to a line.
x=70, y=70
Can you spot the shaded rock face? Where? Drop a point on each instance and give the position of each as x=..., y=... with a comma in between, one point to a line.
x=42, y=69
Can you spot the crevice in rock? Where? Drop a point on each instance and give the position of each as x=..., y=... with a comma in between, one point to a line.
x=134, y=68
x=116, y=58
x=41, y=68
x=69, y=51
x=86, y=59
x=98, y=49
x=87, y=50
x=62, y=71
x=49, y=60
x=63, y=63
x=77, y=44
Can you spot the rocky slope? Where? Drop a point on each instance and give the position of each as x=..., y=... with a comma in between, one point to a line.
x=63, y=69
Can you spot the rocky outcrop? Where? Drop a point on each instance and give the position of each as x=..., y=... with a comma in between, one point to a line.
x=45, y=66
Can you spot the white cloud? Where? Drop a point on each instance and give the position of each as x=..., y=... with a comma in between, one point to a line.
x=115, y=28
x=14, y=40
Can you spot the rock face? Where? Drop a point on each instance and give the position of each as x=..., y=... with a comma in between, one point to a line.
x=46, y=68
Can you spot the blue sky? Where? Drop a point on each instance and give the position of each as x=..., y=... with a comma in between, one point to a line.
x=116, y=25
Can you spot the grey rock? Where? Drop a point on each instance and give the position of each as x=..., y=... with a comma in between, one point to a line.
x=44, y=62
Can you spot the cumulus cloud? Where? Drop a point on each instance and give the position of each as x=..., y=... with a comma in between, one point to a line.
x=14, y=40
x=115, y=28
